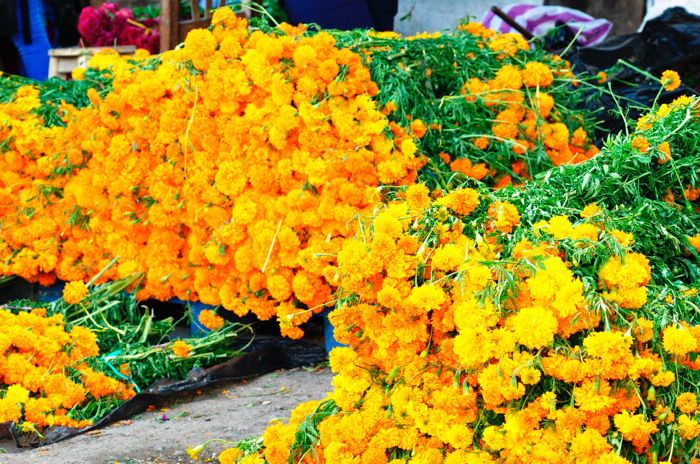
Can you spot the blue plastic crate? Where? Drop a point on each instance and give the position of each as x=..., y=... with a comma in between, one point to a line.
x=331, y=342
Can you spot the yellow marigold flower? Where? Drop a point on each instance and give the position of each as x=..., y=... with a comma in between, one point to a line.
x=645, y=122
x=418, y=197
x=75, y=291
x=625, y=239
x=664, y=414
x=530, y=376
x=589, y=443
x=670, y=80
x=459, y=436
x=427, y=297
x=78, y=74
x=687, y=402
x=688, y=428
x=16, y=394
x=252, y=459
x=626, y=281
x=229, y=456
x=585, y=231
x=385, y=223
x=679, y=340
x=181, y=349
x=608, y=345
x=493, y=438
x=590, y=210
x=534, y=327
x=663, y=379
x=448, y=258
x=560, y=227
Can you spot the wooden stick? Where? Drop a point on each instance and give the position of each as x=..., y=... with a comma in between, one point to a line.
x=511, y=22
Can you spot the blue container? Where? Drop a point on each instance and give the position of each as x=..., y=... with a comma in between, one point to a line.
x=196, y=307
x=52, y=292
x=331, y=342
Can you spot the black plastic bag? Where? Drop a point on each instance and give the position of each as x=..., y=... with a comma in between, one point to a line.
x=666, y=42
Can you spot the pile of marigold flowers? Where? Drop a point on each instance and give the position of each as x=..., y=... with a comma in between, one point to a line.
x=485, y=104
x=551, y=323
x=216, y=168
x=208, y=168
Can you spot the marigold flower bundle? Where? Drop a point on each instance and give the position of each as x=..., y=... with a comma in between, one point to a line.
x=45, y=377
x=553, y=323
x=210, y=168
x=60, y=360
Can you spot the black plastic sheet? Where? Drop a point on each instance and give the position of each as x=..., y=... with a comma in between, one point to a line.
x=264, y=355
x=666, y=42
x=669, y=41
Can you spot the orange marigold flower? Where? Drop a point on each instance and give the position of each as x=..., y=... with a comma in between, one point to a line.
x=665, y=150
x=670, y=80
x=481, y=142
x=279, y=287
x=505, y=216
x=209, y=319
x=74, y=292
x=687, y=402
x=462, y=201
x=181, y=349
x=640, y=143
x=537, y=74
x=643, y=330
x=229, y=456
x=418, y=197
x=418, y=128
x=663, y=379
x=602, y=77
x=694, y=241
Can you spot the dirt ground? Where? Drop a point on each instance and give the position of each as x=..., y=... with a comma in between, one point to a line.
x=231, y=411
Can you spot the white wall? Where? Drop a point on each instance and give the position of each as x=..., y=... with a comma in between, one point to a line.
x=434, y=15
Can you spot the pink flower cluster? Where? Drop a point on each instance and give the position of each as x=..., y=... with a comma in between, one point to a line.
x=110, y=25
